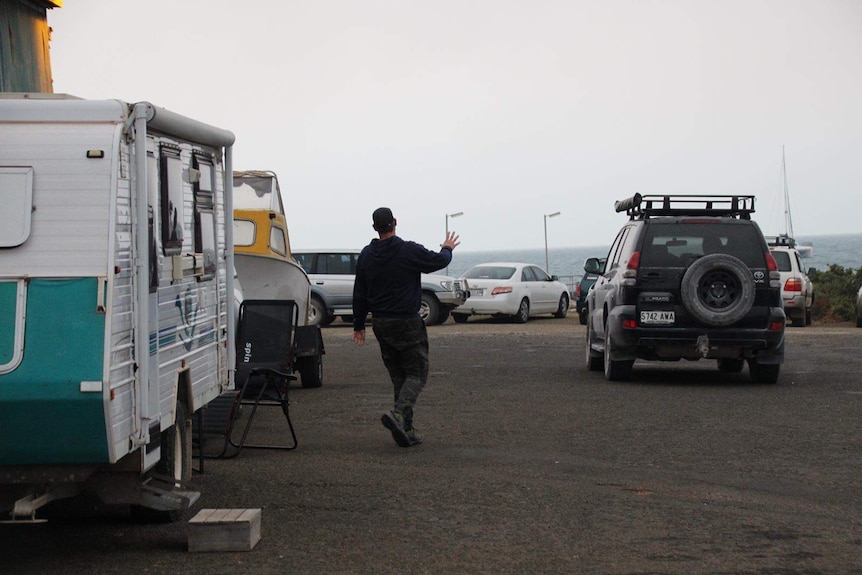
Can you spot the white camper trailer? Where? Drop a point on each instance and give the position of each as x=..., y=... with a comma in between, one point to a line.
x=116, y=304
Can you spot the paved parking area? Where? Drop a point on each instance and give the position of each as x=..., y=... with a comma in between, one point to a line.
x=531, y=464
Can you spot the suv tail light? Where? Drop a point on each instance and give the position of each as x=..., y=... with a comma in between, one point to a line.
x=793, y=284
x=578, y=290
x=630, y=276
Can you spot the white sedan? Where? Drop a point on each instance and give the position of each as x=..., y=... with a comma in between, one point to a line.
x=512, y=289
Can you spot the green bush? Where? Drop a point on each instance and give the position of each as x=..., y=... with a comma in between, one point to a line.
x=835, y=293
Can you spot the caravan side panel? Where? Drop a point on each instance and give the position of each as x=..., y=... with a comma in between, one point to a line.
x=52, y=401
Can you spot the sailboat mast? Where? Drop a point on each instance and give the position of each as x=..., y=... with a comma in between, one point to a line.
x=788, y=223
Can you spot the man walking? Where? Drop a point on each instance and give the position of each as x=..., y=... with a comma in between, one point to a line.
x=388, y=286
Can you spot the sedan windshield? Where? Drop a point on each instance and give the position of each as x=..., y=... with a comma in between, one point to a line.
x=489, y=273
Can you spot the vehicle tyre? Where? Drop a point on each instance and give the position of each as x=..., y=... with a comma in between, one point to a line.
x=718, y=290
x=318, y=314
x=859, y=321
x=176, y=463
x=443, y=315
x=310, y=370
x=563, y=307
x=523, y=313
x=798, y=318
x=460, y=317
x=763, y=372
x=429, y=309
x=730, y=365
x=347, y=318
x=593, y=358
x=582, y=316
x=808, y=316
x=615, y=370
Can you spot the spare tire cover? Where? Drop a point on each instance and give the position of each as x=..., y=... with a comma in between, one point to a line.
x=718, y=289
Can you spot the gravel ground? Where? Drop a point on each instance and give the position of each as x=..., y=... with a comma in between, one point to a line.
x=531, y=464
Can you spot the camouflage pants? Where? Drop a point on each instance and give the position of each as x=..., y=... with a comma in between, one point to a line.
x=404, y=347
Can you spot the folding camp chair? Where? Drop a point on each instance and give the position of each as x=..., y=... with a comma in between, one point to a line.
x=264, y=350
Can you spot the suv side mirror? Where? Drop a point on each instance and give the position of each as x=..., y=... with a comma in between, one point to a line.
x=811, y=271
x=593, y=266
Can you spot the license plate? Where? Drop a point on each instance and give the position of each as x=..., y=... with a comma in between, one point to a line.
x=657, y=317
x=476, y=292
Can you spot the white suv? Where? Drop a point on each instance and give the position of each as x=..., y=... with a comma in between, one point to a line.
x=332, y=273
x=797, y=291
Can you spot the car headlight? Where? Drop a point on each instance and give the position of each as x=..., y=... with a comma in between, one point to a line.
x=446, y=285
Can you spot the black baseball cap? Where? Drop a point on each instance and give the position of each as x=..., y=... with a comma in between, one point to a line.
x=383, y=219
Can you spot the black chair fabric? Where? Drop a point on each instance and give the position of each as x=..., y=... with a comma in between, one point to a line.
x=264, y=359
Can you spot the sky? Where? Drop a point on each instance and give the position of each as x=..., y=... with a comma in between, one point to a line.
x=505, y=110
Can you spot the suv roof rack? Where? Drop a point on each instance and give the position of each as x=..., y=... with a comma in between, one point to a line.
x=780, y=240
x=644, y=207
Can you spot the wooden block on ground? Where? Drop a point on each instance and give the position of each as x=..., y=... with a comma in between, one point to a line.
x=224, y=530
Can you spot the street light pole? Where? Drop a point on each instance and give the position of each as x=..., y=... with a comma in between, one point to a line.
x=455, y=215
x=547, y=265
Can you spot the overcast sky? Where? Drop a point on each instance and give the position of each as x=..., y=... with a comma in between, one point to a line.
x=500, y=109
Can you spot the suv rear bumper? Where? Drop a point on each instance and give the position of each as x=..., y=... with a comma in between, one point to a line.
x=673, y=343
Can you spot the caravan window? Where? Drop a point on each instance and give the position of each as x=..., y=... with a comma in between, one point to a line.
x=16, y=197
x=172, y=199
x=152, y=217
x=205, y=241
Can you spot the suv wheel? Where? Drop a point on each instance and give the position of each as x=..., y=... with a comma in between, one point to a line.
x=429, y=309
x=763, y=372
x=460, y=317
x=582, y=316
x=718, y=290
x=615, y=370
x=317, y=314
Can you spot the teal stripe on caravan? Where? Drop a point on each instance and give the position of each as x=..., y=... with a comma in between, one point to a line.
x=8, y=301
x=45, y=417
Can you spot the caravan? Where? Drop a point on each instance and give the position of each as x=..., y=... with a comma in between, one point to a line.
x=116, y=301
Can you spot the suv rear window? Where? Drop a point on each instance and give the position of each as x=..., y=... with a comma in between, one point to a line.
x=676, y=243
x=783, y=261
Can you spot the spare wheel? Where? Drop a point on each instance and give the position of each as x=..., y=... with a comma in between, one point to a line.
x=717, y=289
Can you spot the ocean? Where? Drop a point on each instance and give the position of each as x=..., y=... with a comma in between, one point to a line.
x=567, y=263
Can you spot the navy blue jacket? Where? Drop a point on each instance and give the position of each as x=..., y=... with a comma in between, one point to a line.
x=388, y=280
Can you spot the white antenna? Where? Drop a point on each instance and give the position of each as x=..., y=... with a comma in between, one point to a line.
x=788, y=222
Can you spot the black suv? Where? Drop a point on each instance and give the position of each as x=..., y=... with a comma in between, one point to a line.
x=688, y=277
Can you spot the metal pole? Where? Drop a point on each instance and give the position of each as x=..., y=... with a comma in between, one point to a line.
x=548, y=265
x=455, y=215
